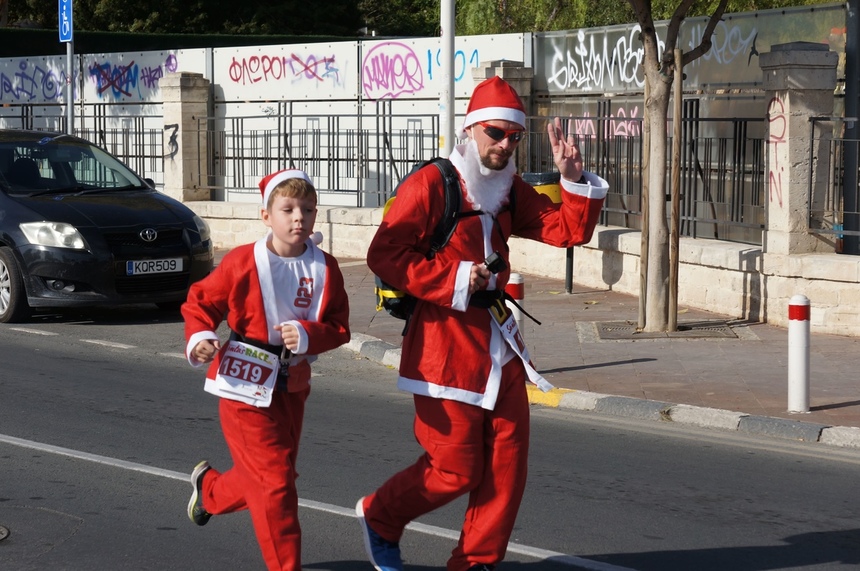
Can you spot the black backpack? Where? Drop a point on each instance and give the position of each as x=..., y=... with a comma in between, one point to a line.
x=396, y=302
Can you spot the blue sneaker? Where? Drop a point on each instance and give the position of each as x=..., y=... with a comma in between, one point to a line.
x=383, y=554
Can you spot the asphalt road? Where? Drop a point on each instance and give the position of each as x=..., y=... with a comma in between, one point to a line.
x=101, y=420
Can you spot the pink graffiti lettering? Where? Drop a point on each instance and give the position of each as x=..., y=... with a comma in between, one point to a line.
x=778, y=128
x=623, y=123
x=389, y=70
x=266, y=68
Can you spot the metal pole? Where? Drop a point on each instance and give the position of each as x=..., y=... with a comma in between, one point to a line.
x=446, y=95
x=851, y=220
x=568, y=270
x=798, y=354
x=70, y=89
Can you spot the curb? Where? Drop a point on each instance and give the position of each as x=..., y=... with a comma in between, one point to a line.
x=643, y=409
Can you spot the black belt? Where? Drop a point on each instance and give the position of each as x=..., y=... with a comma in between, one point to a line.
x=276, y=349
x=487, y=298
x=281, y=351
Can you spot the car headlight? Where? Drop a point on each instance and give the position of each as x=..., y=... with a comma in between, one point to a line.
x=202, y=228
x=56, y=234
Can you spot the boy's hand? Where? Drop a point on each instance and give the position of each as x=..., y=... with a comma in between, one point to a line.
x=290, y=335
x=206, y=350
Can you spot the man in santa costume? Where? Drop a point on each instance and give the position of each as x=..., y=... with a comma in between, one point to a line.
x=462, y=356
x=285, y=303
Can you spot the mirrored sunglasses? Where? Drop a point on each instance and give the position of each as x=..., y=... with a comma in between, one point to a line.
x=497, y=134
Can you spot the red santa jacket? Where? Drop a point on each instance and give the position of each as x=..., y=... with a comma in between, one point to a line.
x=452, y=350
x=241, y=289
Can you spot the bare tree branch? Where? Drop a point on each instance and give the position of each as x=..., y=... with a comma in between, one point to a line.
x=705, y=45
x=675, y=24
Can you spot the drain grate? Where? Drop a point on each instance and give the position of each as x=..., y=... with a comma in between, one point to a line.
x=687, y=330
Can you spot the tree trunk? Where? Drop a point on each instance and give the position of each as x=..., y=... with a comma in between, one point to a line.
x=657, y=300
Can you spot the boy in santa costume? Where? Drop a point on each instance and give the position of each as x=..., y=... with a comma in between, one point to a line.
x=462, y=356
x=285, y=303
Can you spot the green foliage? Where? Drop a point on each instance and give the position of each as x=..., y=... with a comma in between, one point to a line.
x=401, y=17
x=476, y=17
x=285, y=17
x=418, y=18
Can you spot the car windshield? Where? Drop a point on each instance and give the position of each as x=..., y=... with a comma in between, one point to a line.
x=61, y=164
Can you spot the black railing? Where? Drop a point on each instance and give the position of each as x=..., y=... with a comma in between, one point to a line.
x=834, y=183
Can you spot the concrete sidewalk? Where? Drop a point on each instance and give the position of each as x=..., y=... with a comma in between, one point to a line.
x=716, y=373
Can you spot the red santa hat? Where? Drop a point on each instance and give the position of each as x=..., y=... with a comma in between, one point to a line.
x=271, y=181
x=494, y=99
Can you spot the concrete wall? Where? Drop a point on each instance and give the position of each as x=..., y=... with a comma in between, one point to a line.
x=722, y=277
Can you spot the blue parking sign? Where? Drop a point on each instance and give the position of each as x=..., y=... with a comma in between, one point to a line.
x=65, y=20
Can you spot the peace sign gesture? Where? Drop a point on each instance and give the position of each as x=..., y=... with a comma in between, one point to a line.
x=565, y=152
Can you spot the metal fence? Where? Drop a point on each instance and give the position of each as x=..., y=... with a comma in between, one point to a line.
x=834, y=196
x=357, y=160
x=134, y=135
x=723, y=182
x=362, y=158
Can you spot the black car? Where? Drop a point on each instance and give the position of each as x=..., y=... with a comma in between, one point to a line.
x=79, y=228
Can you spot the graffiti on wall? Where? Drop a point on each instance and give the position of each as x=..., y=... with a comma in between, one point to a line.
x=128, y=81
x=729, y=43
x=623, y=122
x=592, y=61
x=32, y=81
x=609, y=60
x=391, y=69
x=463, y=62
x=777, y=136
x=292, y=68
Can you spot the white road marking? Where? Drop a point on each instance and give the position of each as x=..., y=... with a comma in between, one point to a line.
x=177, y=355
x=33, y=331
x=108, y=343
x=537, y=553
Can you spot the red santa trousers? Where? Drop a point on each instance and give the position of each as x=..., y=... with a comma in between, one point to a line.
x=467, y=449
x=264, y=444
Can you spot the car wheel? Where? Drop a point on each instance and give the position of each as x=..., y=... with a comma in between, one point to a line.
x=13, y=298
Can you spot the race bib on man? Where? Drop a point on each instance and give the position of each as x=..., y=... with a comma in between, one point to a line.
x=246, y=374
x=504, y=320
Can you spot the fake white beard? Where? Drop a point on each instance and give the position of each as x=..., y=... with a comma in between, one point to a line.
x=486, y=189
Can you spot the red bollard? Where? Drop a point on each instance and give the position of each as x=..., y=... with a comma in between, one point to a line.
x=516, y=289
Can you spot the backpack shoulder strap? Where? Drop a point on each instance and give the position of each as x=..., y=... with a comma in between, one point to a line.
x=453, y=199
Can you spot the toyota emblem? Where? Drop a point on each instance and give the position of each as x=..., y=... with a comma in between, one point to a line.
x=148, y=234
